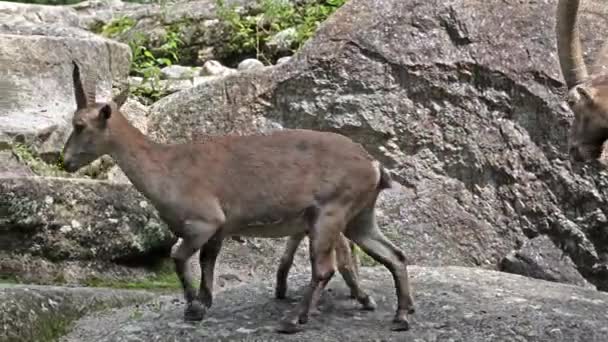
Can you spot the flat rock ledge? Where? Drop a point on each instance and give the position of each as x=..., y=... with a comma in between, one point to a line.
x=42, y=313
x=453, y=303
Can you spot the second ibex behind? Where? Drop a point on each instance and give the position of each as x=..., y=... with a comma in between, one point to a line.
x=280, y=184
x=587, y=91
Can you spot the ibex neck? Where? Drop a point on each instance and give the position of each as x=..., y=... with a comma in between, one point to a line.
x=134, y=154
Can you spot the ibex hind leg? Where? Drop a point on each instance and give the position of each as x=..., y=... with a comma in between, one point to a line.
x=322, y=237
x=194, y=235
x=363, y=230
x=348, y=268
x=285, y=265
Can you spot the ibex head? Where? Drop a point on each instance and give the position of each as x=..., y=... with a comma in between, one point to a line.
x=589, y=131
x=90, y=134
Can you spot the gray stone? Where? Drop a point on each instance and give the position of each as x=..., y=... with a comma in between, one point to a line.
x=36, y=70
x=282, y=41
x=453, y=304
x=215, y=68
x=250, y=64
x=283, y=60
x=41, y=313
x=177, y=72
x=11, y=167
x=539, y=258
x=76, y=219
x=467, y=113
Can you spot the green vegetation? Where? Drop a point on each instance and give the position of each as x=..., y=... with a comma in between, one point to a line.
x=249, y=35
x=26, y=155
x=117, y=27
x=147, y=62
x=164, y=279
x=365, y=259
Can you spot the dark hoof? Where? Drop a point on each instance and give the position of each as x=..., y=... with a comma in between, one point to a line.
x=280, y=293
x=195, y=312
x=369, y=304
x=400, y=324
x=352, y=295
x=411, y=311
x=303, y=319
x=288, y=327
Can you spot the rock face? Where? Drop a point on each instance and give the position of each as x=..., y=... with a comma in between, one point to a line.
x=37, y=46
x=63, y=219
x=37, y=313
x=453, y=304
x=539, y=258
x=459, y=99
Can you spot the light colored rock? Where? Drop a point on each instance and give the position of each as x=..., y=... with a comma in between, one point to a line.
x=178, y=72
x=282, y=41
x=36, y=71
x=284, y=60
x=215, y=68
x=250, y=64
x=453, y=304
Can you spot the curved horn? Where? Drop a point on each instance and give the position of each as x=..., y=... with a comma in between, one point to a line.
x=569, y=43
x=79, y=94
x=90, y=86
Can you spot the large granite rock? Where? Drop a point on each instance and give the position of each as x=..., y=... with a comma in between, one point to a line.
x=461, y=99
x=69, y=219
x=37, y=46
x=539, y=258
x=453, y=304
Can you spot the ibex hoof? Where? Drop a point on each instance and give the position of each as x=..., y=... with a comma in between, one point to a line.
x=288, y=327
x=369, y=304
x=280, y=293
x=195, y=311
x=400, y=323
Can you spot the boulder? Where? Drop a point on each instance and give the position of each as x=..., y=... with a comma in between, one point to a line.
x=36, y=70
x=453, y=304
x=32, y=313
x=539, y=258
x=458, y=98
x=250, y=64
x=60, y=219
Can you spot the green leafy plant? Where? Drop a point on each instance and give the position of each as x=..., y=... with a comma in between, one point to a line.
x=147, y=63
x=117, y=27
x=249, y=34
x=28, y=156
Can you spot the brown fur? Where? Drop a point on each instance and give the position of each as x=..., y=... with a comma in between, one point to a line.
x=285, y=183
x=587, y=94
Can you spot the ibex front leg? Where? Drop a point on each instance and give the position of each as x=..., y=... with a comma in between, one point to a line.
x=194, y=235
x=208, y=256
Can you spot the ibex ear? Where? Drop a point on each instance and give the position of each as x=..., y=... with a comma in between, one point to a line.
x=81, y=99
x=105, y=112
x=586, y=94
x=121, y=98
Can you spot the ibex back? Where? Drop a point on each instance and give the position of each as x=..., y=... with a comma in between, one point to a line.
x=280, y=184
x=587, y=93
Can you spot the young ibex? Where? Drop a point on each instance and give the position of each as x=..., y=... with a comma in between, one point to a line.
x=280, y=184
x=587, y=94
